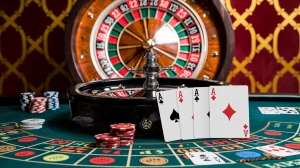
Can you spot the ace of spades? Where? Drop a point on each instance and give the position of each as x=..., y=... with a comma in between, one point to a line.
x=169, y=116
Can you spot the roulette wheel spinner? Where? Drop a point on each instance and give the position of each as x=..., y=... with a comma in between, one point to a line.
x=118, y=48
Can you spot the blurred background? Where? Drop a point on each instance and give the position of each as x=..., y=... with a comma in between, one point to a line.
x=267, y=53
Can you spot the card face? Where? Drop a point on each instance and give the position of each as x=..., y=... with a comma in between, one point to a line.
x=278, y=150
x=268, y=110
x=204, y=158
x=168, y=110
x=229, y=112
x=201, y=112
x=185, y=108
x=287, y=110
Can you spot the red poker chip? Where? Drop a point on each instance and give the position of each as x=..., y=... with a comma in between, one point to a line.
x=122, y=133
x=106, y=137
x=102, y=160
x=122, y=126
x=109, y=145
x=27, y=139
x=126, y=141
x=127, y=138
x=24, y=153
x=127, y=144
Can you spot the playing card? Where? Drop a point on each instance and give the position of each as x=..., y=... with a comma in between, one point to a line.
x=169, y=116
x=278, y=150
x=229, y=112
x=287, y=110
x=201, y=112
x=185, y=108
x=268, y=110
x=204, y=158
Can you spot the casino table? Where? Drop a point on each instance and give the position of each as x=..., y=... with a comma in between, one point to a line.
x=59, y=144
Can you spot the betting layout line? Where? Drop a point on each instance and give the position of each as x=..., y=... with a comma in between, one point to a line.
x=175, y=154
x=22, y=147
x=76, y=163
x=46, y=152
x=272, y=138
x=295, y=134
x=129, y=156
x=251, y=165
x=222, y=156
x=13, y=138
x=202, y=148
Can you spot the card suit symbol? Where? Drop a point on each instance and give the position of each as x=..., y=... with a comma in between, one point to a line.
x=193, y=117
x=174, y=116
x=229, y=112
x=245, y=126
x=197, y=99
x=161, y=102
x=208, y=114
x=181, y=100
x=213, y=97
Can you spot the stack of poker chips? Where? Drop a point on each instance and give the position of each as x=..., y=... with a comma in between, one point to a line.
x=125, y=131
x=32, y=124
x=38, y=105
x=25, y=100
x=107, y=141
x=52, y=100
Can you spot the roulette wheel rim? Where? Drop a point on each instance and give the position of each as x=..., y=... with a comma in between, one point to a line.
x=218, y=56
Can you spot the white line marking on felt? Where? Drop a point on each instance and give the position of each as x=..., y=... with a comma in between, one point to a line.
x=177, y=157
x=76, y=163
x=129, y=156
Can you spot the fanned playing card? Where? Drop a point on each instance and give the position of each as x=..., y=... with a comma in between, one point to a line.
x=201, y=112
x=278, y=150
x=287, y=110
x=185, y=108
x=229, y=112
x=204, y=158
x=268, y=110
x=169, y=116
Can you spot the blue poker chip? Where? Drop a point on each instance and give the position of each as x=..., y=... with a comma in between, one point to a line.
x=248, y=154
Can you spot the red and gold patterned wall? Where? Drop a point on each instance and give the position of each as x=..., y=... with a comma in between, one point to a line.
x=267, y=56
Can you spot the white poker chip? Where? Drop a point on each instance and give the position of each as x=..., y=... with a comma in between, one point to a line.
x=31, y=126
x=27, y=128
x=33, y=121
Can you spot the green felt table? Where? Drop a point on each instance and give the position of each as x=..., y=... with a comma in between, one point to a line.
x=73, y=148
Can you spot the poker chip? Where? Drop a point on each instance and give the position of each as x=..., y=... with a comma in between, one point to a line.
x=32, y=124
x=113, y=132
x=126, y=143
x=122, y=127
x=38, y=105
x=52, y=100
x=127, y=138
x=106, y=137
x=33, y=121
x=25, y=100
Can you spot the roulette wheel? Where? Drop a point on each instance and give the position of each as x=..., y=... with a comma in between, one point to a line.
x=122, y=52
x=104, y=38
